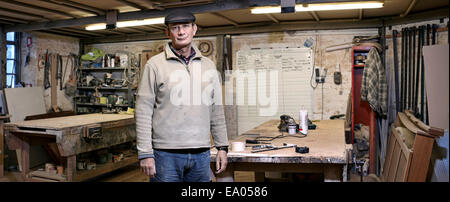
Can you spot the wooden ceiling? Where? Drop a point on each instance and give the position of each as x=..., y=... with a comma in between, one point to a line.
x=70, y=17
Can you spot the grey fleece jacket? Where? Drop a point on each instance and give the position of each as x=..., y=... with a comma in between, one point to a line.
x=179, y=105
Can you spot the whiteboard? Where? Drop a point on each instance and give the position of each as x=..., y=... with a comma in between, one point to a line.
x=270, y=83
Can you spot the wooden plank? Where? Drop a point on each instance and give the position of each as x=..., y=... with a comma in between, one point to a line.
x=405, y=150
x=60, y=123
x=25, y=157
x=71, y=169
x=401, y=170
x=22, y=102
x=394, y=162
x=372, y=143
x=51, y=115
x=389, y=154
x=47, y=175
x=408, y=123
x=420, y=161
x=2, y=149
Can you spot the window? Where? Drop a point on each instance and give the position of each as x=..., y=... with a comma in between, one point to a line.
x=12, y=59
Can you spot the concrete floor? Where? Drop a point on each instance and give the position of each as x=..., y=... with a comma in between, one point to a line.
x=133, y=173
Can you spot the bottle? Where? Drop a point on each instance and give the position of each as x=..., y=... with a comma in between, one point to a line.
x=303, y=123
x=292, y=127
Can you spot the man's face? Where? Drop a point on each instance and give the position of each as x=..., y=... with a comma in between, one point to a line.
x=181, y=34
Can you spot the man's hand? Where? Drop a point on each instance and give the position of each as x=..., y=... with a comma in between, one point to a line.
x=221, y=161
x=148, y=166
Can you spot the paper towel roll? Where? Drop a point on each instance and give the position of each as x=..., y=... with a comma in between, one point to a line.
x=237, y=146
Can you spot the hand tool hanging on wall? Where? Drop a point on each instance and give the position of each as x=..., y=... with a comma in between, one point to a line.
x=405, y=104
x=417, y=78
x=434, y=29
x=394, y=41
x=422, y=76
x=54, y=75
x=46, y=71
x=413, y=61
x=70, y=86
x=59, y=67
x=410, y=47
x=406, y=69
x=402, y=71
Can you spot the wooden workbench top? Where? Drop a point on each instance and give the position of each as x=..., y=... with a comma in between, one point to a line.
x=326, y=144
x=71, y=121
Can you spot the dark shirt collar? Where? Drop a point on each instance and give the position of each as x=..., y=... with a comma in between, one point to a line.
x=186, y=60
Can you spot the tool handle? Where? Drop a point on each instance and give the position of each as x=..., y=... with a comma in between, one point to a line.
x=252, y=141
x=274, y=148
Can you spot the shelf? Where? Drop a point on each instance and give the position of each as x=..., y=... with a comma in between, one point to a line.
x=103, y=88
x=103, y=68
x=102, y=105
x=104, y=168
x=358, y=66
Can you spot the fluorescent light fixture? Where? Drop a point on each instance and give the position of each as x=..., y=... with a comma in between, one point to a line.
x=266, y=9
x=96, y=26
x=130, y=23
x=338, y=6
x=321, y=7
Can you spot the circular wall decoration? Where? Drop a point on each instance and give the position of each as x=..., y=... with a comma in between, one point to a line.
x=205, y=47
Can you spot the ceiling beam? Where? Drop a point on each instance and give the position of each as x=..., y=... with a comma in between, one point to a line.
x=59, y=33
x=134, y=29
x=411, y=5
x=12, y=19
x=4, y=22
x=156, y=27
x=66, y=33
x=81, y=32
x=418, y=17
x=83, y=6
x=225, y=18
x=21, y=4
x=154, y=5
x=218, y=6
x=251, y=28
x=314, y=14
x=360, y=14
x=113, y=31
x=132, y=4
x=23, y=13
x=184, y=3
x=272, y=18
x=77, y=6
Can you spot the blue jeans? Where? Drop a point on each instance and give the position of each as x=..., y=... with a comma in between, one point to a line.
x=172, y=166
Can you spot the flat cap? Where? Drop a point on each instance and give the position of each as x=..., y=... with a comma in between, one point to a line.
x=179, y=16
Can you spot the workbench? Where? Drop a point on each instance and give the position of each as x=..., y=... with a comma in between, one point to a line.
x=328, y=152
x=2, y=149
x=68, y=136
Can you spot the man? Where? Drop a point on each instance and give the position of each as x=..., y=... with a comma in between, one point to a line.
x=173, y=133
